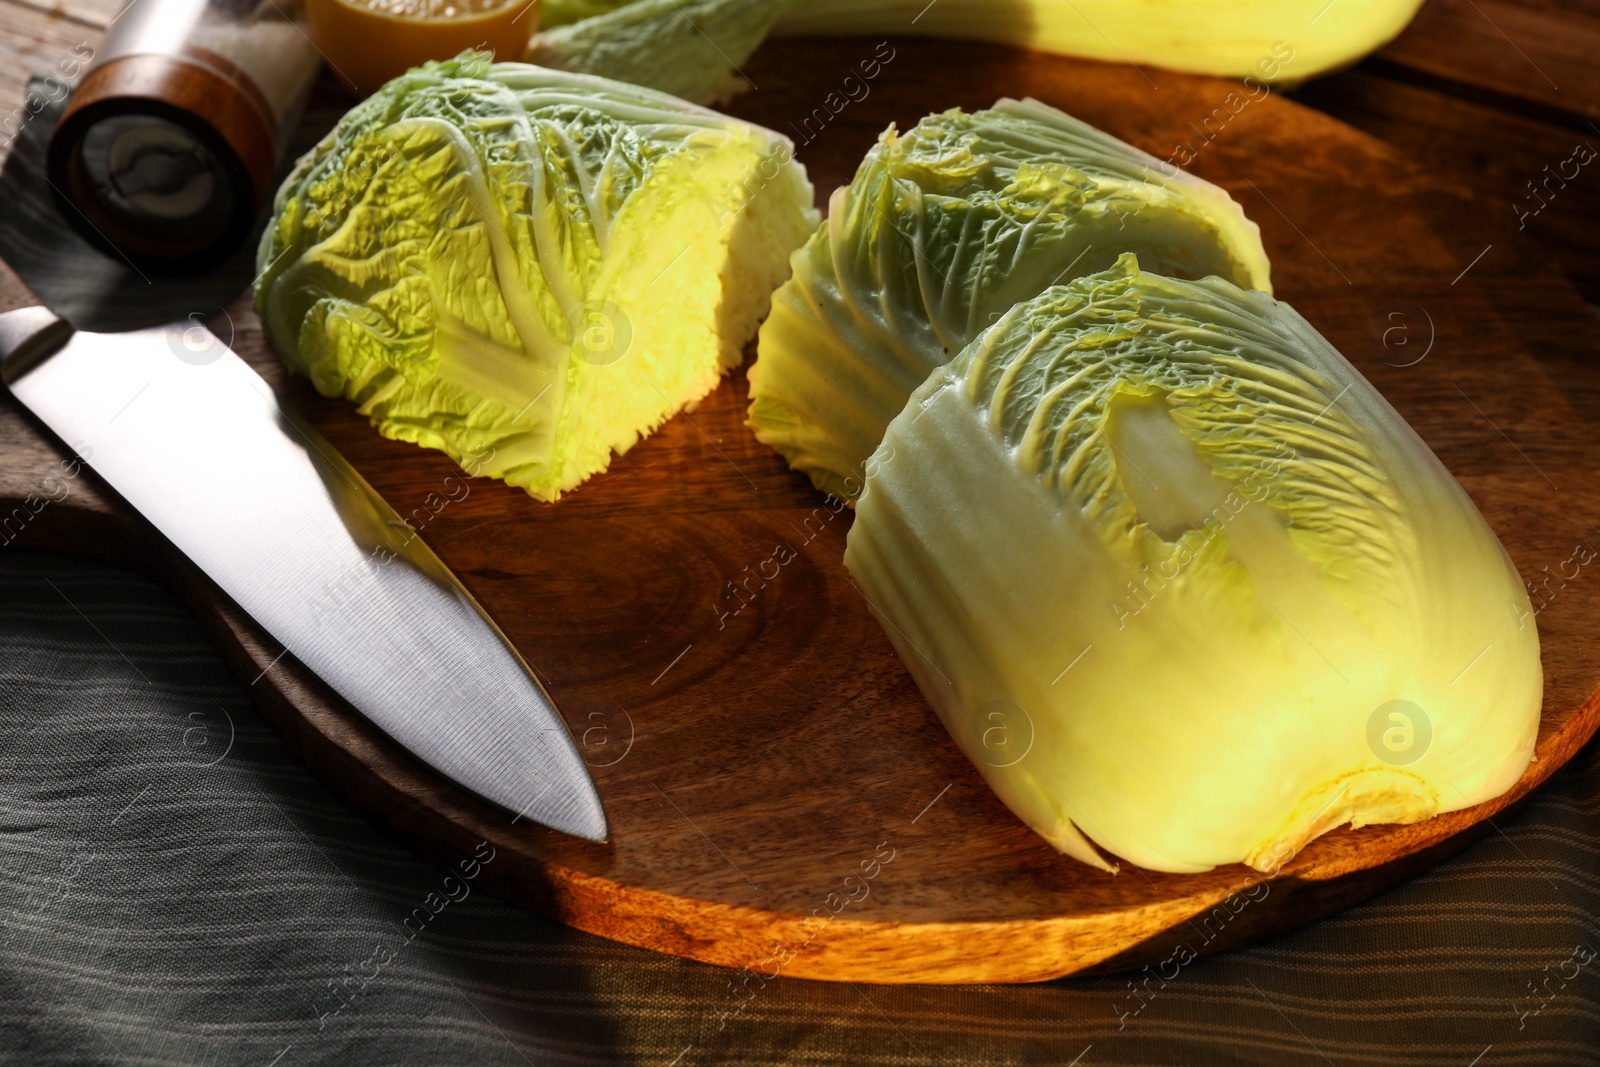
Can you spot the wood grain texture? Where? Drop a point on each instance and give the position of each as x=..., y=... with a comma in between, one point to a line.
x=34, y=43
x=1515, y=162
x=1530, y=56
x=1499, y=93
x=751, y=761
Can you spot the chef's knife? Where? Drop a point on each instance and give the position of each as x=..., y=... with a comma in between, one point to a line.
x=196, y=441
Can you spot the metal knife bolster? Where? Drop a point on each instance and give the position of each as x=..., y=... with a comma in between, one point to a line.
x=27, y=336
x=196, y=441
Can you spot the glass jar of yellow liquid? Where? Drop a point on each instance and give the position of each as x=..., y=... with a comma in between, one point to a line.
x=367, y=42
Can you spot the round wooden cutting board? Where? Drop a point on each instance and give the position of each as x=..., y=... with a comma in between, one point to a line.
x=782, y=798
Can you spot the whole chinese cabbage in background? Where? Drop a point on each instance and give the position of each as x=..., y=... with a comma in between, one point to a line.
x=1165, y=563
x=1236, y=38
x=527, y=268
x=942, y=230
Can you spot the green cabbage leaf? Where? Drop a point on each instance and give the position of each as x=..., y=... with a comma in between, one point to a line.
x=942, y=230
x=1185, y=588
x=690, y=48
x=554, y=13
x=527, y=268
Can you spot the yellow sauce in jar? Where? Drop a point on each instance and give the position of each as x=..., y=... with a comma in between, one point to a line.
x=367, y=42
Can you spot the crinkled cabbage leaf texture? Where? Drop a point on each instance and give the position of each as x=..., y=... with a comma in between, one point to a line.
x=941, y=231
x=527, y=268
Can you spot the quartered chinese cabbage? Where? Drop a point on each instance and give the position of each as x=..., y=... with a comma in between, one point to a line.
x=1185, y=588
x=942, y=230
x=526, y=268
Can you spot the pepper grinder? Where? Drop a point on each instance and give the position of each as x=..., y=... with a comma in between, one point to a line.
x=167, y=151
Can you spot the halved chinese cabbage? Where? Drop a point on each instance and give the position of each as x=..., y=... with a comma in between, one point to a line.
x=527, y=268
x=942, y=230
x=1186, y=588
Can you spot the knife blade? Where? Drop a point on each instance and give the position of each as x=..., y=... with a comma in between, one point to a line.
x=197, y=442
